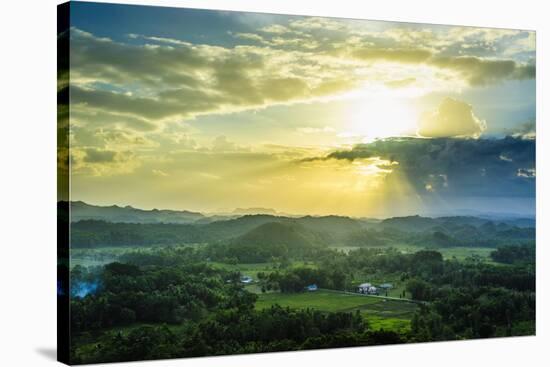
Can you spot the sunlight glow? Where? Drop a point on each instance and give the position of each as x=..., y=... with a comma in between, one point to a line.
x=381, y=117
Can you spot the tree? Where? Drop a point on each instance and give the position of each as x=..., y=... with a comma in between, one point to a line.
x=419, y=289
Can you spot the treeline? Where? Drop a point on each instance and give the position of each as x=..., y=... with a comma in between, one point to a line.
x=296, y=279
x=155, y=294
x=489, y=235
x=514, y=254
x=97, y=233
x=236, y=331
x=474, y=312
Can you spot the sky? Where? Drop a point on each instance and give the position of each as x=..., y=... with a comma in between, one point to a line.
x=210, y=111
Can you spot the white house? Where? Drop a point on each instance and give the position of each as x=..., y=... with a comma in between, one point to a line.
x=312, y=288
x=367, y=288
x=364, y=286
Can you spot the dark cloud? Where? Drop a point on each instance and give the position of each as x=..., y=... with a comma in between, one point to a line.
x=103, y=59
x=101, y=161
x=121, y=103
x=99, y=156
x=456, y=167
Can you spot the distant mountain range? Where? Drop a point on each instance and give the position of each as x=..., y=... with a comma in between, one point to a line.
x=127, y=214
x=416, y=223
x=125, y=226
x=244, y=211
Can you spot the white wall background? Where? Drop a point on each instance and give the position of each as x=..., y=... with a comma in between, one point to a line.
x=28, y=188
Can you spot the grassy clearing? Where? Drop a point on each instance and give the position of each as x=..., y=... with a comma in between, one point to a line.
x=388, y=323
x=331, y=301
x=320, y=300
x=461, y=253
x=378, y=312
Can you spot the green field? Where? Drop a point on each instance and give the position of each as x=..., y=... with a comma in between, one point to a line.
x=461, y=253
x=320, y=300
x=380, y=313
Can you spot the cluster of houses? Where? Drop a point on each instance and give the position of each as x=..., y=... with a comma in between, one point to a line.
x=368, y=288
x=363, y=288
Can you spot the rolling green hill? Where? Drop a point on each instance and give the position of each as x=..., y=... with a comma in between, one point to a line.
x=94, y=226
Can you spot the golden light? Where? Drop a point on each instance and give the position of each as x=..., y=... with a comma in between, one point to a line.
x=381, y=116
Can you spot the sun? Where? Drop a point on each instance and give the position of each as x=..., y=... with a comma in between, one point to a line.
x=382, y=116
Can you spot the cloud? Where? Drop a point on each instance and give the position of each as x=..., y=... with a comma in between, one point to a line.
x=316, y=130
x=453, y=118
x=401, y=55
x=159, y=173
x=133, y=93
x=527, y=130
x=102, y=162
x=99, y=156
x=275, y=28
x=454, y=167
x=250, y=36
x=142, y=86
x=400, y=83
x=164, y=79
x=221, y=144
x=527, y=172
x=478, y=71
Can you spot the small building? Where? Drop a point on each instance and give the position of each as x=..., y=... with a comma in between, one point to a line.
x=367, y=288
x=312, y=288
x=363, y=286
x=386, y=286
x=245, y=279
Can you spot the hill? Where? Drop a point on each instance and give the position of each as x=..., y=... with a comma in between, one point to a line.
x=275, y=233
x=266, y=242
x=413, y=223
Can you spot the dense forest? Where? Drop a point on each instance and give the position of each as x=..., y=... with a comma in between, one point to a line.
x=261, y=283
x=184, y=307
